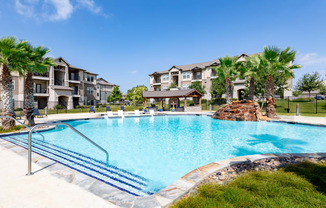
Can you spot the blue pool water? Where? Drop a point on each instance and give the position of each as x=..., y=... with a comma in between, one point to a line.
x=158, y=151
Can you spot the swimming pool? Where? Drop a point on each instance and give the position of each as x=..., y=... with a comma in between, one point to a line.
x=149, y=153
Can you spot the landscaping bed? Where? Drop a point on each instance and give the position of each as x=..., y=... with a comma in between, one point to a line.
x=263, y=184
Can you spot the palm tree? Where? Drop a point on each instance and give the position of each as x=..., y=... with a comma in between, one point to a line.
x=275, y=64
x=227, y=70
x=251, y=69
x=12, y=56
x=36, y=63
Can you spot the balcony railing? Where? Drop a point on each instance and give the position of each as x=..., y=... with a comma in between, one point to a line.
x=74, y=78
x=42, y=91
x=75, y=92
x=157, y=81
x=41, y=75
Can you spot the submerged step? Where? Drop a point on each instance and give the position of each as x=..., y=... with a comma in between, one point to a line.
x=111, y=175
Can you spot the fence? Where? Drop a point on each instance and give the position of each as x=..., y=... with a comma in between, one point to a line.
x=307, y=106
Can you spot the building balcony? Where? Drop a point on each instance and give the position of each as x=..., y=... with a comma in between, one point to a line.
x=38, y=76
x=41, y=93
x=157, y=83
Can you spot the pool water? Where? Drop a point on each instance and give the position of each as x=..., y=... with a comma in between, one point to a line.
x=162, y=149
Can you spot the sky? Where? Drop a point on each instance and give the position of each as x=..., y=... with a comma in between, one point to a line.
x=126, y=40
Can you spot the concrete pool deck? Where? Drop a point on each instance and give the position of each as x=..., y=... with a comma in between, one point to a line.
x=47, y=189
x=41, y=189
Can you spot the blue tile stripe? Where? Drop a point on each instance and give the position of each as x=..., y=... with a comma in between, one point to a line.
x=86, y=167
x=120, y=188
x=93, y=159
x=108, y=170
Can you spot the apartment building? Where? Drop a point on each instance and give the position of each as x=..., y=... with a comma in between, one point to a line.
x=103, y=90
x=184, y=75
x=64, y=85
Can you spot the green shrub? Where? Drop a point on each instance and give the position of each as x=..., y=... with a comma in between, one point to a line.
x=307, y=99
x=58, y=107
x=218, y=101
x=18, y=109
x=204, y=101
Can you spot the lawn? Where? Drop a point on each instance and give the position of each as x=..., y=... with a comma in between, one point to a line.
x=14, y=129
x=302, y=185
x=305, y=108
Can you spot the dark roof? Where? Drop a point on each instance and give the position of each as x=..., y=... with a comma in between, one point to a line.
x=202, y=65
x=171, y=93
x=104, y=82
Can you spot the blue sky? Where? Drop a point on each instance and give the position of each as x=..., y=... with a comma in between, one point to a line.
x=125, y=40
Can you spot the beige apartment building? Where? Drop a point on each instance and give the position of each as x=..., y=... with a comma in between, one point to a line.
x=103, y=90
x=184, y=75
x=64, y=85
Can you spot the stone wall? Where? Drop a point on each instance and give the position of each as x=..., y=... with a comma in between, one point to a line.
x=244, y=110
x=269, y=164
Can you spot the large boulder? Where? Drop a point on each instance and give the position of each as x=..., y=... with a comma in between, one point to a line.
x=244, y=110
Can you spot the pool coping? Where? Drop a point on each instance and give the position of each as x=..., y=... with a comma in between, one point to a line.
x=163, y=198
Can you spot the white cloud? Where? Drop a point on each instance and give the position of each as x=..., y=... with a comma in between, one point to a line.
x=133, y=72
x=54, y=10
x=310, y=59
x=90, y=5
x=63, y=9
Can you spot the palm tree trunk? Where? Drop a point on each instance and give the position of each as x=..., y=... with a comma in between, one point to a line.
x=252, y=88
x=29, y=100
x=7, y=99
x=269, y=93
x=228, y=91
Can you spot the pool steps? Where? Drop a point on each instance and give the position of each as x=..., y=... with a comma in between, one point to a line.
x=114, y=176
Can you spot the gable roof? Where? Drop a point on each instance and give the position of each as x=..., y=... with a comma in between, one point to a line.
x=103, y=82
x=202, y=65
x=171, y=93
x=69, y=65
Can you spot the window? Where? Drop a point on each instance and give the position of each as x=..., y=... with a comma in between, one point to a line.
x=185, y=86
x=90, y=78
x=38, y=88
x=186, y=75
x=165, y=87
x=90, y=90
x=98, y=94
x=98, y=86
x=198, y=75
x=13, y=84
x=165, y=77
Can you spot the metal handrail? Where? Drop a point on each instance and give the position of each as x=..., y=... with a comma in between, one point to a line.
x=57, y=124
x=23, y=125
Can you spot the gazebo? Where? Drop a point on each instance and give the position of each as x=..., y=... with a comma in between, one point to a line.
x=175, y=94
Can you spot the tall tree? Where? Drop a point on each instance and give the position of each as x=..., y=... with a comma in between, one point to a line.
x=218, y=87
x=275, y=64
x=35, y=63
x=12, y=57
x=115, y=95
x=250, y=70
x=227, y=70
x=135, y=95
x=309, y=82
x=198, y=86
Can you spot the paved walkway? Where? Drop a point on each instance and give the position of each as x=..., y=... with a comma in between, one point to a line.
x=39, y=190
x=304, y=119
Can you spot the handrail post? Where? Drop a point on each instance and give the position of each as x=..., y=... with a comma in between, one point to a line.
x=29, y=163
x=29, y=168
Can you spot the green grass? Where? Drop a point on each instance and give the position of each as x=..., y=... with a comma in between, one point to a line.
x=305, y=108
x=16, y=128
x=302, y=185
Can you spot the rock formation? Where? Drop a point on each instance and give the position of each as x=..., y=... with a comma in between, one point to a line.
x=244, y=110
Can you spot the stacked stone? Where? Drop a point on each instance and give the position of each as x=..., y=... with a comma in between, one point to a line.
x=244, y=110
x=229, y=173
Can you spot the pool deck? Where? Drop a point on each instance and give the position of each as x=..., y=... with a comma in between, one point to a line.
x=54, y=185
x=41, y=189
